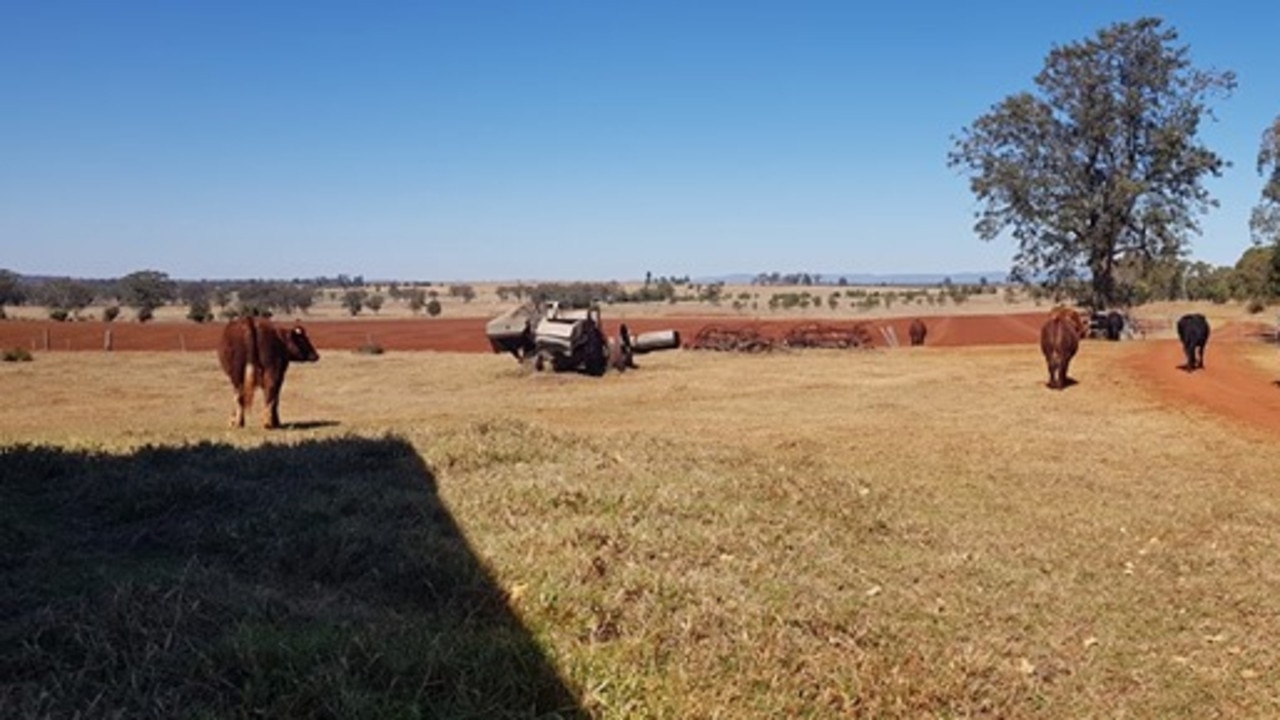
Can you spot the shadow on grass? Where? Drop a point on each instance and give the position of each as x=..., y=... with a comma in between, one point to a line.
x=310, y=425
x=323, y=579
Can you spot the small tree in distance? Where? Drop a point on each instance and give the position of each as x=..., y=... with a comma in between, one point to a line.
x=145, y=291
x=200, y=311
x=417, y=300
x=353, y=301
x=466, y=292
x=433, y=307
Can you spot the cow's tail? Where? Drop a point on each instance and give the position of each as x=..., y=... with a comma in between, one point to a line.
x=1057, y=359
x=251, y=350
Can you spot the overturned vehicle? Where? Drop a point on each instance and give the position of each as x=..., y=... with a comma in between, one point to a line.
x=564, y=339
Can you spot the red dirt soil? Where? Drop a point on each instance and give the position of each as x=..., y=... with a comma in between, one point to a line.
x=467, y=334
x=1230, y=386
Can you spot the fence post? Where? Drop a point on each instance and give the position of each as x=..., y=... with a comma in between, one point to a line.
x=46, y=339
x=106, y=340
x=890, y=336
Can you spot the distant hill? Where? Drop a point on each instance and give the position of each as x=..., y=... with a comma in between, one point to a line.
x=959, y=278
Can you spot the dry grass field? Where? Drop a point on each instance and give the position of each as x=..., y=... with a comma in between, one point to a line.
x=905, y=533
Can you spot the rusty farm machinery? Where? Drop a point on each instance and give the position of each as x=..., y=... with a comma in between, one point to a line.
x=571, y=339
x=723, y=338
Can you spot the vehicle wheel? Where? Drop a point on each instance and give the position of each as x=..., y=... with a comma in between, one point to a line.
x=595, y=355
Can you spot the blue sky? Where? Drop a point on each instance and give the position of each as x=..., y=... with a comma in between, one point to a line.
x=486, y=140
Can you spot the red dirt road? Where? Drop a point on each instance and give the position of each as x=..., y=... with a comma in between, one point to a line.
x=1230, y=386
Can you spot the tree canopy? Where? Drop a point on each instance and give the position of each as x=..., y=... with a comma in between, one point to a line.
x=1265, y=220
x=1101, y=164
x=146, y=290
x=65, y=295
x=1269, y=166
x=11, y=290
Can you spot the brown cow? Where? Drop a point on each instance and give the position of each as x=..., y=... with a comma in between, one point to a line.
x=268, y=349
x=1059, y=340
x=917, y=331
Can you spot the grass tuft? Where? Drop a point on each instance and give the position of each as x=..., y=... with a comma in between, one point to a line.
x=16, y=355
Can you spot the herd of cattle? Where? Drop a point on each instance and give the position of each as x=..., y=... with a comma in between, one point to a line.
x=1061, y=334
x=258, y=344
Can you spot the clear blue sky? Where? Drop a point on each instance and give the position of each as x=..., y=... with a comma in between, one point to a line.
x=547, y=139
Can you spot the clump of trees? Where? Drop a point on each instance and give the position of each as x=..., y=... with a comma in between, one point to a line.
x=779, y=278
x=584, y=294
x=263, y=297
x=466, y=292
x=416, y=299
x=64, y=297
x=145, y=291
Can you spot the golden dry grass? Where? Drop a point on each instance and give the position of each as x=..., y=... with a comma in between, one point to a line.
x=908, y=533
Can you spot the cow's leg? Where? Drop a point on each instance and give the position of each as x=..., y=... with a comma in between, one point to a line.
x=237, y=415
x=248, y=388
x=243, y=396
x=271, y=400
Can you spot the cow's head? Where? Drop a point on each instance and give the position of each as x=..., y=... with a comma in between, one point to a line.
x=299, y=345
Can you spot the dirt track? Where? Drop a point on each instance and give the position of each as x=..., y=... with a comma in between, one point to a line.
x=1230, y=386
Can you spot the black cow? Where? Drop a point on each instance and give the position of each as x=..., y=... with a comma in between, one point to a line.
x=1193, y=331
x=1109, y=325
x=1113, y=326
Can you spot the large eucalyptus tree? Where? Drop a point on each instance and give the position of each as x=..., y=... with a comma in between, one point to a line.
x=1101, y=163
x=1265, y=220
